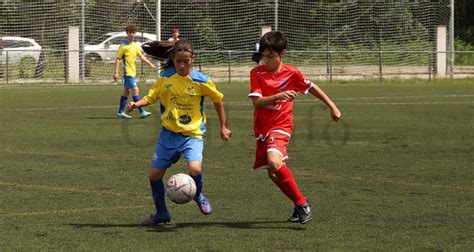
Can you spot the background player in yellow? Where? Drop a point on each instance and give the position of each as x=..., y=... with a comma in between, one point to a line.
x=127, y=54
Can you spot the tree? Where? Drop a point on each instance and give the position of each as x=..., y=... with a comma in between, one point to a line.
x=464, y=20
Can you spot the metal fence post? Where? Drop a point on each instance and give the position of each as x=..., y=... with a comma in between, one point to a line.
x=82, y=56
x=380, y=66
x=66, y=67
x=7, y=75
x=451, y=38
x=330, y=66
x=429, y=66
x=228, y=64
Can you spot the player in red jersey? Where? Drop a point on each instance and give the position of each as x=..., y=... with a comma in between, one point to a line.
x=274, y=86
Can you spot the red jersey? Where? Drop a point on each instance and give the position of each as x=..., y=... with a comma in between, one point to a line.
x=279, y=115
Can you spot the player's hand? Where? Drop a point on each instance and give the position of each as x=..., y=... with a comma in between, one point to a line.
x=287, y=95
x=115, y=76
x=335, y=114
x=131, y=106
x=226, y=133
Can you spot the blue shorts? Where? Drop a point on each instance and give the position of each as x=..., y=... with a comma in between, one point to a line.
x=171, y=145
x=129, y=81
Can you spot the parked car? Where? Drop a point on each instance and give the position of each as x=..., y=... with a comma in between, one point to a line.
x=19, y=50
x=107, y=49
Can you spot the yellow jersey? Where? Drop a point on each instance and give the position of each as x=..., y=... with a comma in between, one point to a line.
x=182, y=101
x=129, y=53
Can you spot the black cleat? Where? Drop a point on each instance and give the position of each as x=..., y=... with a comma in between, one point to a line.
x=304, y=213
x=294, y=217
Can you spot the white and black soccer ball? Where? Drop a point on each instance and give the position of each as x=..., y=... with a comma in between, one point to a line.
x=180, y=188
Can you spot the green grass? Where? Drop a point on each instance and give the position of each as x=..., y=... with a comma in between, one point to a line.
x=395, y=174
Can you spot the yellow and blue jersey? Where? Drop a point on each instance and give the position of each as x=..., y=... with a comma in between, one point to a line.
x=182, y=101
x=128, y=53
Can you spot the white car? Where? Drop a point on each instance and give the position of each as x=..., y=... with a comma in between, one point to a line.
x=108, y=48
x=19, y=50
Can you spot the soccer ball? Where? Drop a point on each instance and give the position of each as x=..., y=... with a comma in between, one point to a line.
x=180, y=188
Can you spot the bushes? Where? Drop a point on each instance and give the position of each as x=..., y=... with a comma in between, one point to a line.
x=463, y=58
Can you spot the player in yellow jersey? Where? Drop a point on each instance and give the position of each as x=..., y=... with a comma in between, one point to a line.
x=181, y=92
x=128, y=53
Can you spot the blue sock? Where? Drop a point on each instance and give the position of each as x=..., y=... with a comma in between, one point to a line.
x=135, y=99
x=123, y=103
x=198, y=180
x=158, y=193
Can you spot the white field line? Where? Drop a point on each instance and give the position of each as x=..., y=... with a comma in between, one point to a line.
x=382, y=180
x=58, y=154
x=338, y=100
x=58, y=108
x=404, y=97
x=378, y=98
x=69, y=189
x=74, y=210
x=407, y=103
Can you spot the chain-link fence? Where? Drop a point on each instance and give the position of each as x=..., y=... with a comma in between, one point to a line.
x=327, y=39
x=51, y=66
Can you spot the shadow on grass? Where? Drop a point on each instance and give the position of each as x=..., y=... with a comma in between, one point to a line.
x=230, y=224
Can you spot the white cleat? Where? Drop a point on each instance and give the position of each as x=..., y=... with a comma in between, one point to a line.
x=145, y=114
x=123, y=115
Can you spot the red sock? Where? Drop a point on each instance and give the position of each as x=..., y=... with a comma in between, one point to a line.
x=287, y=184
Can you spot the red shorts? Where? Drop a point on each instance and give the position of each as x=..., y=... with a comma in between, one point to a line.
x=273, y=142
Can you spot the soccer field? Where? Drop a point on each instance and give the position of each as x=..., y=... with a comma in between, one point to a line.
x=396, y=174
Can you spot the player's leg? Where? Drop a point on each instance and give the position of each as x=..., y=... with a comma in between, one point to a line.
x=282, y=176
x=194, y=169
x=161, y=215
x=192, y=150
x=165, y=155
x=136, y=97
x=123, y=104
x=202, y=202
x=278, y=171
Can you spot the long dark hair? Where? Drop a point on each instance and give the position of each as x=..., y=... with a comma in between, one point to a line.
x=164, y=51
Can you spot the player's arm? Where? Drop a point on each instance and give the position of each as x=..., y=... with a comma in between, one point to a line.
x=147, y=61
x=117, y=62
x=209, y=89
x=134, y=105
x=263, y=101
x=226, y=133
x=319, y=93
x=151, y=97
x=260, y=101
x=116, y=70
